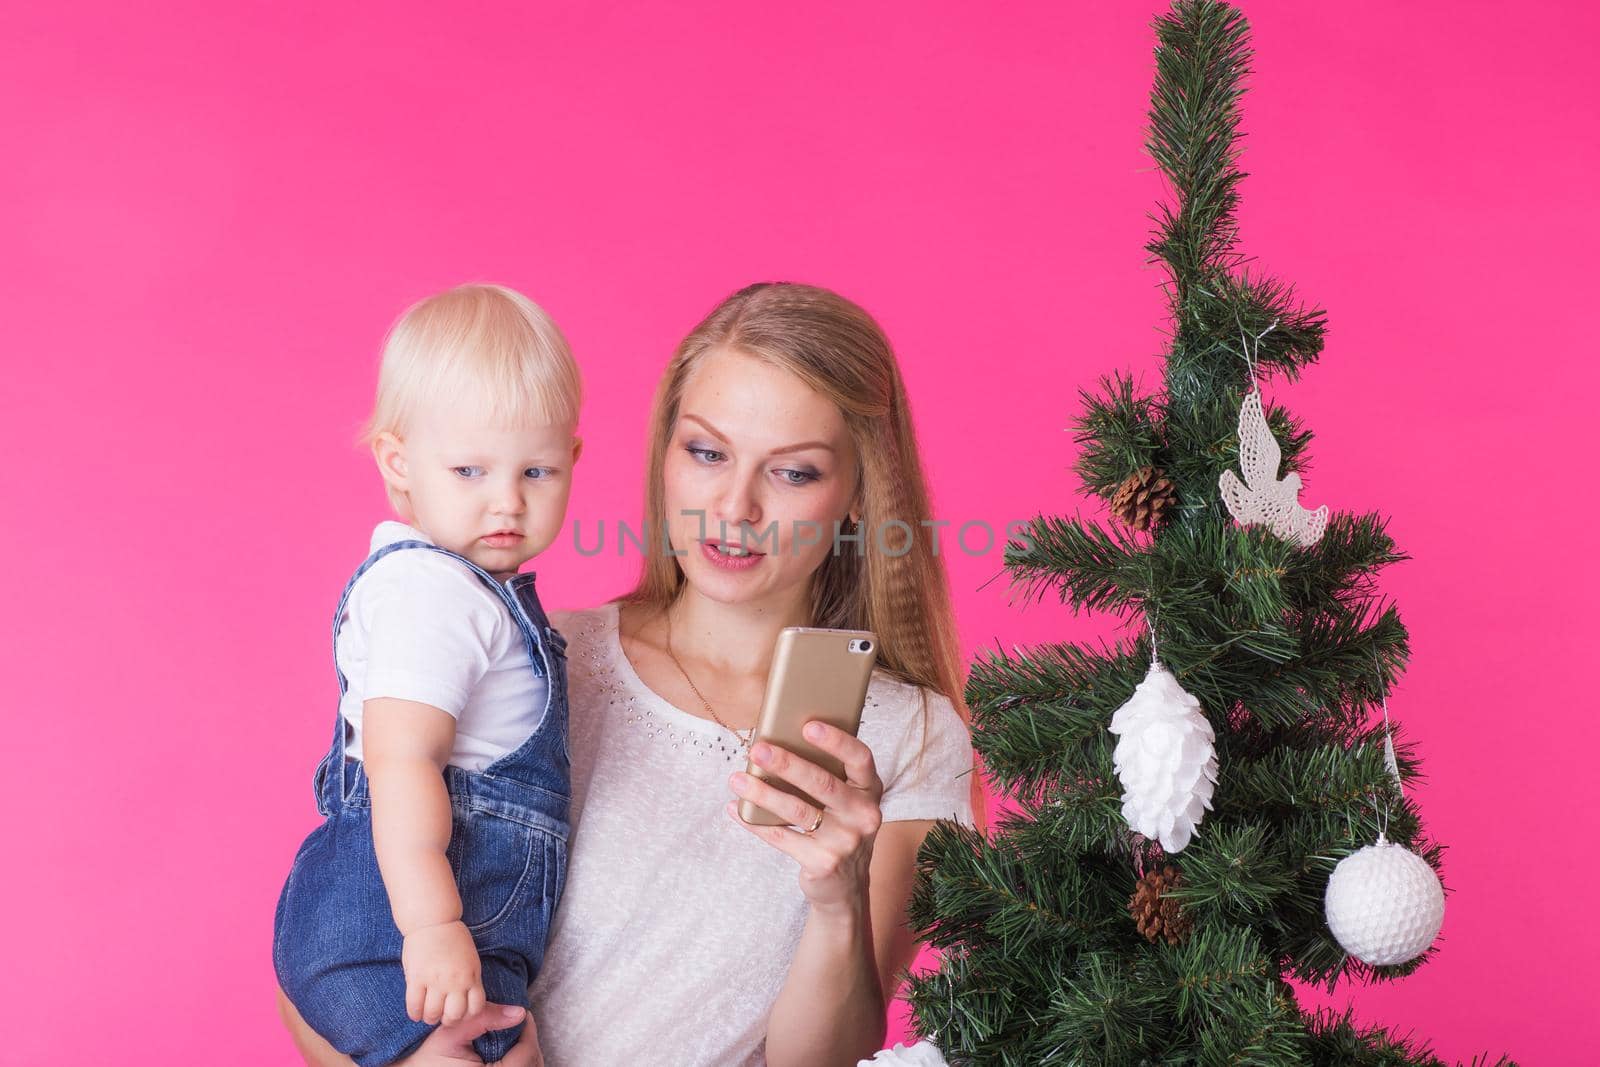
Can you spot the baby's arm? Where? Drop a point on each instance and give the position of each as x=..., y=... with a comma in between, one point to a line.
x=405, y=746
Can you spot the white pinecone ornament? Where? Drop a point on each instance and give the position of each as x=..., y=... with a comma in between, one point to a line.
x=922, y=1054
x=1165, y=758
x=1384, y=904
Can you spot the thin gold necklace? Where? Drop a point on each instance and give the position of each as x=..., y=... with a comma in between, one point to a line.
x=744, y=741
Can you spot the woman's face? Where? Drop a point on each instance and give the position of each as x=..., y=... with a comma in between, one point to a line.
x=755, y=454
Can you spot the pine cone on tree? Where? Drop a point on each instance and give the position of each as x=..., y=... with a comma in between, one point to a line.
x=1154, y=912
x=1143, y=498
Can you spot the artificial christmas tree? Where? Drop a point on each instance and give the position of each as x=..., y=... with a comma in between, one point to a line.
x=1068, y=937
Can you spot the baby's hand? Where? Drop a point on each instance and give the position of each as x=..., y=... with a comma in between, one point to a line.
x=444, y=981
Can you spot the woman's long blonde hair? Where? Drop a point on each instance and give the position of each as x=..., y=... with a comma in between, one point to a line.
x=838, y=350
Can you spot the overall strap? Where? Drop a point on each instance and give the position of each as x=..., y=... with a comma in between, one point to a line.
x=545, y=750
x=331, y=782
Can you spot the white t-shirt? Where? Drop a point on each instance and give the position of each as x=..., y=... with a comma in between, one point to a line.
x=420, y=626
x=677, y=927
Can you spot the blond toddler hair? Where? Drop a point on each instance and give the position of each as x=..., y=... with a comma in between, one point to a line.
x=477, y=347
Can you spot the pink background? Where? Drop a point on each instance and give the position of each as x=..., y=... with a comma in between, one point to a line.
x=211, y=216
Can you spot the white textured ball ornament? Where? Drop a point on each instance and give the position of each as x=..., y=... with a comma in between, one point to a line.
x=1384, y=904
x=1165, y=758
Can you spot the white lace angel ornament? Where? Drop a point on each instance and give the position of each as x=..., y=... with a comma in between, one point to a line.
x=1263, y=498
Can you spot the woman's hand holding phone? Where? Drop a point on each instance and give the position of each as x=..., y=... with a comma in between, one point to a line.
x=812, y=788
x=835, y=858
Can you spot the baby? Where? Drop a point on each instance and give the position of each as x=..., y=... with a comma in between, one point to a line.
x=431, y=883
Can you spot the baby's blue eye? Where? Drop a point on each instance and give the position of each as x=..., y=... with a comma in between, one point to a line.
x=465, y=471
x=538, y=473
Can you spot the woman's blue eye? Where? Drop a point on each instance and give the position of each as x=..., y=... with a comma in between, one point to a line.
x=788, y=475
x=463, y=471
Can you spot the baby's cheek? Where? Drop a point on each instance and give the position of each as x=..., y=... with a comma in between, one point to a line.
x=551, y=523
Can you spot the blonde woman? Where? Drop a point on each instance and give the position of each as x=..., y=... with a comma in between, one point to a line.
x=685, y=936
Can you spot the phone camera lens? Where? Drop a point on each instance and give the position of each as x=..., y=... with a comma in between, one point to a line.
x=866, y=646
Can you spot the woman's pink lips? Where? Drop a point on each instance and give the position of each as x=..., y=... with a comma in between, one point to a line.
x=708, y=549
x=732, y=544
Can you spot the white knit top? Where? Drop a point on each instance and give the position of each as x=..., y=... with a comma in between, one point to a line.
x=677, y=927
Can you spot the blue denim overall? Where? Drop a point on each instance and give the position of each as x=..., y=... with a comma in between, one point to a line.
x=335, y=944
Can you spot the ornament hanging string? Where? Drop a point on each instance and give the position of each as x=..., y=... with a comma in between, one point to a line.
x=950, y=987
x=1151, y=612
x=1389, y=761
x=1251, y=351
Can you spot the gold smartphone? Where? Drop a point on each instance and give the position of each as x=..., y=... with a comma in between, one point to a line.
x=816, y=674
